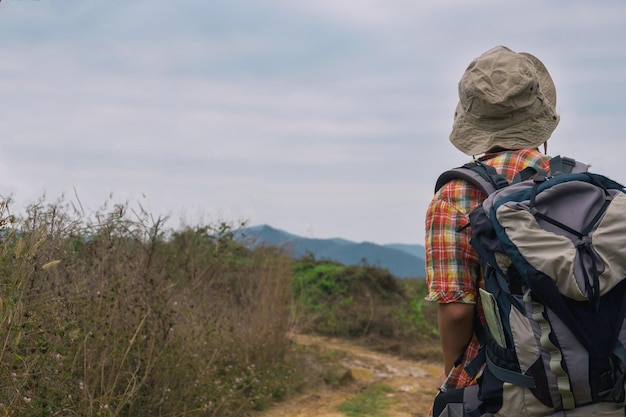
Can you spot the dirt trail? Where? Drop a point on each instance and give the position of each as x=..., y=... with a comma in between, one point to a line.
x=414, y=383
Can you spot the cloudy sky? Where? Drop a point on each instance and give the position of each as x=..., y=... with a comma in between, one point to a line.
x=325, y=118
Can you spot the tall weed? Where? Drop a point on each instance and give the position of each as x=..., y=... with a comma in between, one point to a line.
x=112, y=314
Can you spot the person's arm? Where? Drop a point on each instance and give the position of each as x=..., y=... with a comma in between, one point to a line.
x=456, y=327
x=451, y=266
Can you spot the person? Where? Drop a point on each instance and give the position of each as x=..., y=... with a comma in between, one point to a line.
x=506, y=111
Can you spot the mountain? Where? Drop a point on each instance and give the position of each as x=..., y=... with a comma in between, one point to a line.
x=415, y=250
x=402, y=260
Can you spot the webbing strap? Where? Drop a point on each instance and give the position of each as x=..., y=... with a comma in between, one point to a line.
x=506, y=375
x=562, y=379
x=620, y=352
x=564, y=165
x=483, y=176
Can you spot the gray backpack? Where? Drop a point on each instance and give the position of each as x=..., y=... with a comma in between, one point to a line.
x=552, y=248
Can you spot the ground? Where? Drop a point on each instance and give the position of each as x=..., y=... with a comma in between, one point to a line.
x=414, y=383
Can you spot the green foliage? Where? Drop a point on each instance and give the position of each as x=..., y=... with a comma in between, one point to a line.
x=418, y=313
x=363, y=302
x=372, y=402
x=320, y=281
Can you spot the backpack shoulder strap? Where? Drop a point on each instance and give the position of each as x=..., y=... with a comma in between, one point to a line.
x=485, y=177
x=488, y=180
x=564, y=165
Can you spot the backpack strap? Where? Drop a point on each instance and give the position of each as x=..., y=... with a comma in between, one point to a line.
x=483, y=176
x=528, y=173
x=564, y=165
x=487, y=179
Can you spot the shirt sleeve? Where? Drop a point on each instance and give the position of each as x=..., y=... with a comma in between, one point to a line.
x=452, y=264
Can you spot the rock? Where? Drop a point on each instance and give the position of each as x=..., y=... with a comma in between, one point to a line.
x=357, y=375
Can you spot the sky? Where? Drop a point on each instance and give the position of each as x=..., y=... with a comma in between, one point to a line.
x=323, y=118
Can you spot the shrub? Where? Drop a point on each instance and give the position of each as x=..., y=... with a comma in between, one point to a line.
x=112, y=314
x=367, y=304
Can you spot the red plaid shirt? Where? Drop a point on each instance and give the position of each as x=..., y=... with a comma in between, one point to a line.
x=452, y=267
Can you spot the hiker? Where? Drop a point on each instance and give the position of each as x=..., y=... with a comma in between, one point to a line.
x=506, y=111
x=525, y=255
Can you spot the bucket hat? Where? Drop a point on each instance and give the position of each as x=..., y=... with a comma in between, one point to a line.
x=507, y=100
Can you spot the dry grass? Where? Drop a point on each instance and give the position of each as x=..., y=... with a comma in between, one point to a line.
x=112, y=314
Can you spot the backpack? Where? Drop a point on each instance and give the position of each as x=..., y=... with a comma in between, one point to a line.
x=552, y=248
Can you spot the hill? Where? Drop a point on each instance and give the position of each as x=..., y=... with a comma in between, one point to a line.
x=402, y=260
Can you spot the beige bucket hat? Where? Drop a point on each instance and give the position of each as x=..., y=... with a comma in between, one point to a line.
x=507, y=100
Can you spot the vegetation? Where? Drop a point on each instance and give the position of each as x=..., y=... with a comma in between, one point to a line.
x=113, y=314
x=366, y=304
x=117, y=316
x=372, y=402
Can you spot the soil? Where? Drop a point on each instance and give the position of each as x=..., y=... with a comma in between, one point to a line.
x=414, y=382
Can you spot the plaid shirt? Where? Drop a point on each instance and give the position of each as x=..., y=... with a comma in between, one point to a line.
x=452, y=267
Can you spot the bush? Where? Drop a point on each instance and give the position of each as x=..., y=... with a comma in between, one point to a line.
x=112, y=314
x=363, y=302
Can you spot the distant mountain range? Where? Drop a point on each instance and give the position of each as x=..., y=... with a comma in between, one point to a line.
x=402, y=260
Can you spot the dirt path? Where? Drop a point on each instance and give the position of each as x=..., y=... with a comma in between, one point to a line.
x=414, y=384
